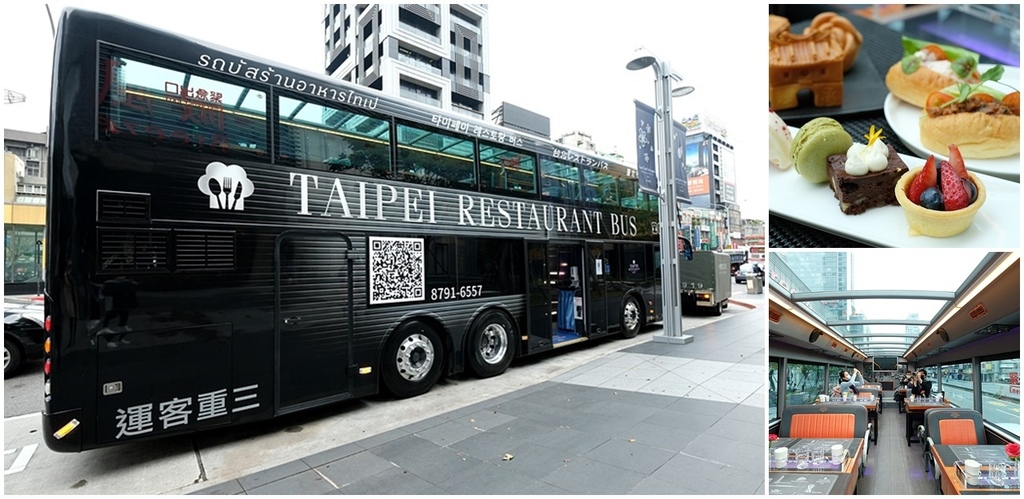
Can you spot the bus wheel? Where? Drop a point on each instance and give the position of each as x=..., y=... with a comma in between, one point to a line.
x=413, y=359
x=12, y=357
x=491, y=344
x=630, y=319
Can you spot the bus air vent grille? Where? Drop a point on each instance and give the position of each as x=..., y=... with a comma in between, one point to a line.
x=197, y=251
x=132, y=250
x=122, y=207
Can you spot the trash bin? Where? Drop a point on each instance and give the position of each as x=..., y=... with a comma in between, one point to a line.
x=754, y=285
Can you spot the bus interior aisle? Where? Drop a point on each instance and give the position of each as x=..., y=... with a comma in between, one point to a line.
x=892, y=467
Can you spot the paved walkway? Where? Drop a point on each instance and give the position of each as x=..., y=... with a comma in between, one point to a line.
x=653, y=418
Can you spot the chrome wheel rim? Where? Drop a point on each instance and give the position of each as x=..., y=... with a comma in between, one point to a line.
x=415, y=357
x=493, y=343
x=7, y=358
x=631, y=315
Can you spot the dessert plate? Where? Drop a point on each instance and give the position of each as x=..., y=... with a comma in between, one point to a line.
x=996, y=225
x=903, y=119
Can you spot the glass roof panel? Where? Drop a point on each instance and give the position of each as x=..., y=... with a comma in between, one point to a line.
x=894, y=271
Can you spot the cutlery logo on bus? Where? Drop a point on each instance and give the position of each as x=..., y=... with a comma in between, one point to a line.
x=227, y=186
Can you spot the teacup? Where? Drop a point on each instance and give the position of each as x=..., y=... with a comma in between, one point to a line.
x=972, y=469
x=781, y=456
x=838, y=453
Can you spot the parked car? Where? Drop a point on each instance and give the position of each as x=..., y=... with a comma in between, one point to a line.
x=23, y=336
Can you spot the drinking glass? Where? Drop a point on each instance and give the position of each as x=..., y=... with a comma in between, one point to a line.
x=997, y=474
x=803, y=457
x=818, y=458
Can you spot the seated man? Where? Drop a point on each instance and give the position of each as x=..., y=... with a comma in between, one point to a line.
x=919, y=385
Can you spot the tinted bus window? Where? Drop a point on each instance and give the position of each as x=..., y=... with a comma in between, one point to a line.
x=327, y=138
x=162, y=104
x=507, y=171
x=806, y=381
x=1000, y=393
x=560, y=181
x=433, y=158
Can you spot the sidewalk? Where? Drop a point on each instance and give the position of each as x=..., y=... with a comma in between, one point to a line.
x=652, y=418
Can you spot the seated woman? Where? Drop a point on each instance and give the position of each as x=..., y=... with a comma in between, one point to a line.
x=848, y=383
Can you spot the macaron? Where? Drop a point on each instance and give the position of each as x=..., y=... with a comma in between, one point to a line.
x=814, y=143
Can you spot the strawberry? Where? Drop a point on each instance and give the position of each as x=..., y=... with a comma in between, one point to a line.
x=956, y=160
x=954, y=195
x=925, y=179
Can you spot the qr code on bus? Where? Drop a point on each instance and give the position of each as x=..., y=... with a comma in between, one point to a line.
x=396, y=270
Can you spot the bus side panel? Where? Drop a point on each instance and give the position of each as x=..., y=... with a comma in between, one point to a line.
x=158, y=380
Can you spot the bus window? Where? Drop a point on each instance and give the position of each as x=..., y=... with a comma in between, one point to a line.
x=163, y=105
x=560, y=181
x=434, y=158
x=326, y=138
x=601, y=188
x=507, y=171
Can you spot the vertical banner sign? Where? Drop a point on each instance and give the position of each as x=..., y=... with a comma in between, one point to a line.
x=679, y=162
x=645, y=163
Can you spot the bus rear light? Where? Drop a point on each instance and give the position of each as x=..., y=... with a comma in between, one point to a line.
x=46, y=367
x=46, y=324
x=46, y=388
x=46, y=346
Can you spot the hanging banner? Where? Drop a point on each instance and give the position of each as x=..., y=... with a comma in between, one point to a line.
x=679, y=162
x=645, y=163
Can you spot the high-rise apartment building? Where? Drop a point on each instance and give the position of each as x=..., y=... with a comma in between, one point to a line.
x=431, y=53
x=25, y=169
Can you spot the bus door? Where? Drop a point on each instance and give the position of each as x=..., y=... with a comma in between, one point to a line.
x=313, y=321
x=557, y=301
x=600, y=308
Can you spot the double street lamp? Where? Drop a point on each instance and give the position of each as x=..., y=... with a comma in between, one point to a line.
x=672, y=325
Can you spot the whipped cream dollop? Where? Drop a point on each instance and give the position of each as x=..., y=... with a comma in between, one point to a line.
x=863, y=158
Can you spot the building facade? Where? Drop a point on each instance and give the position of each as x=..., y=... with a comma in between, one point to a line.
x=432, y=53
x=713, y=216
x=25, y=169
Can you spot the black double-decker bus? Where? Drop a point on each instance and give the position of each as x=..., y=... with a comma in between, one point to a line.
x=230, y=240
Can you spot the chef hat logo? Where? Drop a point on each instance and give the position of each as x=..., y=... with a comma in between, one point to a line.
x=227, y=186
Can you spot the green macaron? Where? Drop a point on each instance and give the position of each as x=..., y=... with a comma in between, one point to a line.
x=814, y=143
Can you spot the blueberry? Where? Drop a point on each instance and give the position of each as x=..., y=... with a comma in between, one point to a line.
x=972, y=190
x=931, y=199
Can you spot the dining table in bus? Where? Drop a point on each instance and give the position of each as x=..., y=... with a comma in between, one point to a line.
x=870, y=405
x=850, y=469
x=811, y=484
x=947, y=456
x=915, y=413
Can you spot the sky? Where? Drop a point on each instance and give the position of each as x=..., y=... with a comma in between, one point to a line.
x=564, y=60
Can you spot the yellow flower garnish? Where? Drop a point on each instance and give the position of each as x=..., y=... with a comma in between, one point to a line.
x=873, y=135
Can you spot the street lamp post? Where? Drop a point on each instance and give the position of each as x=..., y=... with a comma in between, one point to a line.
x=672, y=323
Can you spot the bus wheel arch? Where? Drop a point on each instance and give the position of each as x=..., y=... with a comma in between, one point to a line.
x=631, y=315
x=414, y=358
x=491, y=343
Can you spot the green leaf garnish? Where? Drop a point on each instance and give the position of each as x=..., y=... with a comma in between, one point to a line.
x=964, y=66
x=910, y=64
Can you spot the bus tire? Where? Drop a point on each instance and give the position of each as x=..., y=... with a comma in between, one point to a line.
x=492, y=344
x=631, y=317
x=413, y=359
x=12, y=357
